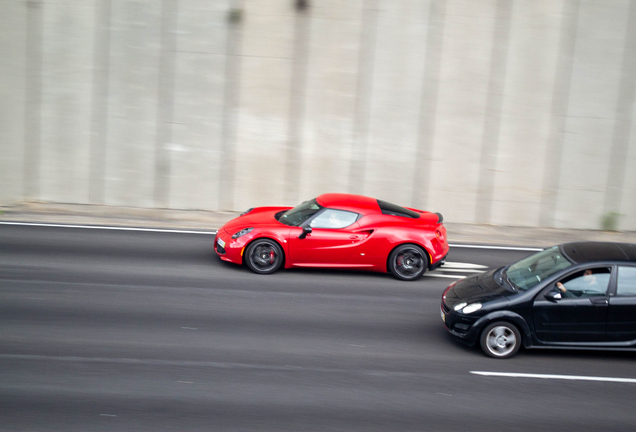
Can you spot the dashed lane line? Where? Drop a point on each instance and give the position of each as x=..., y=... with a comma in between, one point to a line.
x=444, y=276
x=555, y=377
x=462, y=265
x=515, y=248
x=461, y=270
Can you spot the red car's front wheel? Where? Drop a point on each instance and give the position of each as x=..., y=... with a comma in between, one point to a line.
x=264, y=256
x=408, y=262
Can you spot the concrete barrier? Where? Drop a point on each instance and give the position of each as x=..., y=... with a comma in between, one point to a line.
x=490, y=111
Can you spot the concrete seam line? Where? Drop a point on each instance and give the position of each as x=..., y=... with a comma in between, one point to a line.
x=212, y=364
x=257, y=291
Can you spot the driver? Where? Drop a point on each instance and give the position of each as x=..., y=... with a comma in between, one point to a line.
x=588, y=282
x=334, y=220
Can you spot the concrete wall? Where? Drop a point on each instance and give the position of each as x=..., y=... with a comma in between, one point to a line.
x=507, y=112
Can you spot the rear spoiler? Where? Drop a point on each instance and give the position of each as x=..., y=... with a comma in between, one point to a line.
x=440, y=218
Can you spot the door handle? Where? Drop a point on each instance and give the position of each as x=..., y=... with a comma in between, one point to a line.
x=598, y=301
x=353, y=237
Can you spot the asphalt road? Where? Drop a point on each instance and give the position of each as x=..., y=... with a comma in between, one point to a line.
x=127, y=331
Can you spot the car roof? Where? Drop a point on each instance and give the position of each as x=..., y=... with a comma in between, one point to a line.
x=583, y=252
x=356, y=203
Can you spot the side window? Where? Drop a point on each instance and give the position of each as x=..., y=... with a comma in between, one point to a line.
x=586, y=283
x=626, y=285
x=331, y=218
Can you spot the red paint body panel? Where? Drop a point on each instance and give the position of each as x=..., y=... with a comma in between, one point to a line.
x=326, y=246
x=354, y=203
x=257, y=217
x=366, y=243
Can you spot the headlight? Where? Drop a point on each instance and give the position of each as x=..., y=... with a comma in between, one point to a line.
x=242, y=232
x=458, y=306
x=447, y=290
x=471, y=308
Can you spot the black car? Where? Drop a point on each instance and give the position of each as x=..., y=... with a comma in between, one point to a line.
x=575, y=295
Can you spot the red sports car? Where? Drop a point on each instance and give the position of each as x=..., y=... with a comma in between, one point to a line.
x=336, y=231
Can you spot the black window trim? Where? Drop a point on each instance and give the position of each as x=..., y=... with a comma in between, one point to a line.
x=390, y=209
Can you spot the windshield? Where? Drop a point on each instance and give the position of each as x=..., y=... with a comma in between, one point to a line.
x=301, y=213
x=528, y=272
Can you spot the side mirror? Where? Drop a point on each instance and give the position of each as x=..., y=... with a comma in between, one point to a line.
x=553, y=296
x=306, y=230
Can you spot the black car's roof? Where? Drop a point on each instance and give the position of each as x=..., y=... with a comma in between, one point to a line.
x=582, y=252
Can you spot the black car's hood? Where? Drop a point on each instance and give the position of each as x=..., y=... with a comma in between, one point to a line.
x=478, y=288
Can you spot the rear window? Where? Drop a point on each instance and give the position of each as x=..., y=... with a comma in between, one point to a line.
x=626, y=285
x=395, y=210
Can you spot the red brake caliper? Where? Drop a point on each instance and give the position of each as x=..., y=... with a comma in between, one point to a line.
x=400, y=260
x=271, y=256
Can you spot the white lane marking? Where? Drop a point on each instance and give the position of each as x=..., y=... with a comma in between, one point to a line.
x=558, y=377
x=444, y=276
x=444, y=394
x=185, y=382
x=461, y=265
x=461, y=270
x=457, y=267
x=108, y=415
x=213, y=232
x=495, y=247
x=189, y=328
x=112, y=228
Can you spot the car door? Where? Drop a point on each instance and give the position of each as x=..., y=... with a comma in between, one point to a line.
x=621, y=315
x=331, y=241
x=580, y=315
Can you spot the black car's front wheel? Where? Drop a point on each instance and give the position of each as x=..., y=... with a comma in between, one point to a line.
x=264, y=256
x=408, y=262
x=500, y=340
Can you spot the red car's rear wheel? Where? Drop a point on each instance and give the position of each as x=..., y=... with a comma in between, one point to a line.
x=408, y=262
x=264, y=256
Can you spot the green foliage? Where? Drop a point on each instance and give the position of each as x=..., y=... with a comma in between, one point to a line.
x=609, y=221
x=235, y=15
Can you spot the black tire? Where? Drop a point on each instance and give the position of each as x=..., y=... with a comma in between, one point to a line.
x=500, y=340
x=408, y=262
x=264, y=256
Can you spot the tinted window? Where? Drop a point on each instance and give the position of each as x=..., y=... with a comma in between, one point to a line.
x=626, y=281
x=395, y=210
x=331, y=218
x=587, y=283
